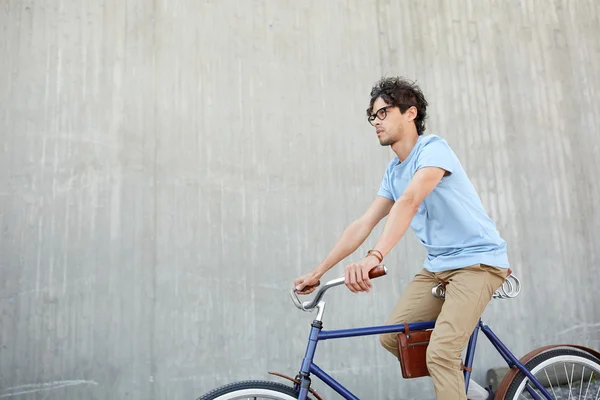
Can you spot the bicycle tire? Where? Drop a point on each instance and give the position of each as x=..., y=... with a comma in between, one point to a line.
x=252, y=389
x=539, y=362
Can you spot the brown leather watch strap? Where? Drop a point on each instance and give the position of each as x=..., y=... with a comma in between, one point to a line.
x=375, y=253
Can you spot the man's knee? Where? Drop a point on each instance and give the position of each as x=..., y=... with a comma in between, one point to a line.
x=389, y=341
x=433, y=355
x=438, y=356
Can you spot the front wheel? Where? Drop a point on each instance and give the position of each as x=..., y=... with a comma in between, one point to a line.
x=564, y=373
x=254, y=390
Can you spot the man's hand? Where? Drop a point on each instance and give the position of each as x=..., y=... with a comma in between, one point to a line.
x=307, y=284
x=357, y=275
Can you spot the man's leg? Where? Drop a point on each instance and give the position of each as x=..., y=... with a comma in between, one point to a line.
x=468, y=292
x=416, y=305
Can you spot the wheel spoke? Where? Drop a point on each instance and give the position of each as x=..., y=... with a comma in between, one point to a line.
x=581, y=381
x=557, y=381
x=572, y=382
x=567, y=376
x=550, y=382
x=588, y=386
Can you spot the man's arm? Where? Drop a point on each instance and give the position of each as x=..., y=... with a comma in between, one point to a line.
x=399, y=219
x=401, y=215
x=354, y=235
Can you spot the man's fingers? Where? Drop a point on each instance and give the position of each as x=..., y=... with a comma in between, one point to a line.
x=351, y=278
x=362, y=282
x=366, y=279
x=307, y=291
x=347, y=278
x=306, y=284
x=356, y=279
x=301, y=283
x=305, y=288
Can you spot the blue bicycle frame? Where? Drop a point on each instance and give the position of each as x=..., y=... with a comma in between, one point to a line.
x=317, y=334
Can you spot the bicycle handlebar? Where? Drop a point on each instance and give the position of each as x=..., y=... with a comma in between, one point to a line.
x=376, y=272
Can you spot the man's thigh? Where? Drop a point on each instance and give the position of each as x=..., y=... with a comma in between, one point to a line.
x=468, y=292
x=417, y=304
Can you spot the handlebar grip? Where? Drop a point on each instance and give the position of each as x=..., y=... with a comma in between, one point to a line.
x=313, y=286
x=378, y=271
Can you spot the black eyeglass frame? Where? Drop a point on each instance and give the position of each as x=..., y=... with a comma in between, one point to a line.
x=382, y=113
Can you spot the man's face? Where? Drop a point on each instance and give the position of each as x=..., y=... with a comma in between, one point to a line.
x=389, y=123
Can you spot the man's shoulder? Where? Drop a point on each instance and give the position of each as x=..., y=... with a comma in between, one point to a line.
x=432, y=138
x=434, y=143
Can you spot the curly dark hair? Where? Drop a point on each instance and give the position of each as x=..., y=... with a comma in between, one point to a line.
x=400, y=92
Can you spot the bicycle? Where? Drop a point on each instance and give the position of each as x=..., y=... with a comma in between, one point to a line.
x=527, y=378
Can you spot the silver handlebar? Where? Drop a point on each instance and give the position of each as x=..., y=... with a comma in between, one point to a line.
x=509, y=289
x=311, y=304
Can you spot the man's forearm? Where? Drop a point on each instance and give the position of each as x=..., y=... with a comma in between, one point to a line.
x=397, y=224
x=354, y=235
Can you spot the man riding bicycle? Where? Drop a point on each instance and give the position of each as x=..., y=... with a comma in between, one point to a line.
x=426, y=188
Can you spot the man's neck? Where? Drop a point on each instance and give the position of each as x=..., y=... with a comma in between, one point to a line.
x=404, y=146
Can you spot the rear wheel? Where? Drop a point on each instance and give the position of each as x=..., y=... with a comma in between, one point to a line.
x=564, y=373
x=254, y=390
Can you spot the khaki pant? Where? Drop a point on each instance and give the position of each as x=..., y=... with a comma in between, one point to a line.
x=468, y=292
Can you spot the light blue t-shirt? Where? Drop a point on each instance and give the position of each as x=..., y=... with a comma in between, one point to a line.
x=451, y=221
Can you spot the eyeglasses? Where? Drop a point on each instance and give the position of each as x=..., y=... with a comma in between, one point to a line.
x=381, y=114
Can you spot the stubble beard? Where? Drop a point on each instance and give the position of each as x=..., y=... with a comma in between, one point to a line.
x=392, y=137
x=386, y=141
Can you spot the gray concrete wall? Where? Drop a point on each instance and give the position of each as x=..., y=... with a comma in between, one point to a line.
x=167, y=168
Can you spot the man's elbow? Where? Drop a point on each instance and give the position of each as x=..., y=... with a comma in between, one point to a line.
x=409, y=201
x=363, y=224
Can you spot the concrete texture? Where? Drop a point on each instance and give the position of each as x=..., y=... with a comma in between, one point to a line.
x=167, y=169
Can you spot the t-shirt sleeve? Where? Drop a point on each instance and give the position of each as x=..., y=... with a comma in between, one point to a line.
x=436, y=154
x=384, y=188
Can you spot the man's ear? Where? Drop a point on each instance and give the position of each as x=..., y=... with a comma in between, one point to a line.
x=411, y=113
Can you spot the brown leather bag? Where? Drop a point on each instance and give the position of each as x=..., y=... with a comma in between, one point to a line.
x=412, y=348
